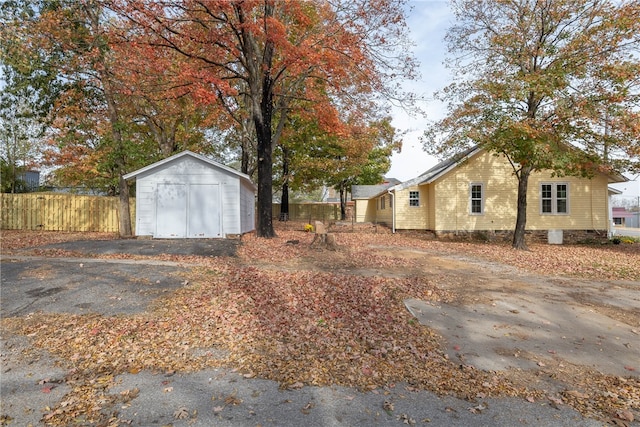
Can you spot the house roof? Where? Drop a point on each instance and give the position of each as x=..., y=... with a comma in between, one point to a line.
x=621, y=213
x=440, y=169
x=613, y=191
x=188, y=153
x=451, y=163
x=368, y=191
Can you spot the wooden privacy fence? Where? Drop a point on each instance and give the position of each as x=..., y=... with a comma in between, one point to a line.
x=60, y=212
x=72, y=212
x=313, y=211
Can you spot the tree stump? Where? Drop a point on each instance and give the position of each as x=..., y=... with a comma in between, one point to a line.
x=322, y=238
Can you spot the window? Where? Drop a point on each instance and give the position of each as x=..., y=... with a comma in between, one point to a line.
x=390, y=201
x=554, y=198
x=477, y=199
x=414, y=198
x=382, y=206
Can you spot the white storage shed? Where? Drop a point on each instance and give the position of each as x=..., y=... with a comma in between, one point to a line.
x=190, y=196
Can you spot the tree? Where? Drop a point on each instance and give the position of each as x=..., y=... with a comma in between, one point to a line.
x=20, y=132
x=70, y=41
x=359, y=155
x=548, y=84
x=253, y=58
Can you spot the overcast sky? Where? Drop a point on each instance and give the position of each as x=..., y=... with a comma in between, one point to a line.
x=428, y=23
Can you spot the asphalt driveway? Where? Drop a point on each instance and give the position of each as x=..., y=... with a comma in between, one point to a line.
x=85, y=284
x=32, y=381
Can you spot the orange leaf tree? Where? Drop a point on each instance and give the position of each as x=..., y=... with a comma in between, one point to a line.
x=255, y=58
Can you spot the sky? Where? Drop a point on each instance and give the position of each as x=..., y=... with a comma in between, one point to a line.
x=428, y=23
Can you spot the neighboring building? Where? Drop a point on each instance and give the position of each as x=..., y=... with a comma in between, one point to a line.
x=624, y=218
x=190, y=196
x=477, y=191
x=31, y=180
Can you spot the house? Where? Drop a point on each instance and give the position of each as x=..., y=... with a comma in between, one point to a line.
x=624, y=218
x=477, y=191
x=190, y=196
x=31, y=179
x=361, y=196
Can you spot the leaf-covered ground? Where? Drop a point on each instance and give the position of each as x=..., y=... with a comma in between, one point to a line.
x=300, y=314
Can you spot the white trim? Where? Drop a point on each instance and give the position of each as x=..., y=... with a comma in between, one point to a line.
x=554, y=198
x=471, y=199
x=194, y=155
x=410, y=199
x=393, y=211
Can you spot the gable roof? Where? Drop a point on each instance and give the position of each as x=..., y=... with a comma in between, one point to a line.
x=453, y=162
x=440, y=169
x=188, y=153
x=368, y=191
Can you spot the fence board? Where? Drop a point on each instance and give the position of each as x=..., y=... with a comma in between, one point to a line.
x=60, y=212
x=311, y=211
x=71, y=212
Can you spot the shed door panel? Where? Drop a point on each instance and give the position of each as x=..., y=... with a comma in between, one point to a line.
x=171, y=210
x=204, y=210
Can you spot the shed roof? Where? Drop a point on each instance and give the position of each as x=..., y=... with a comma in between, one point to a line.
x=188, y=153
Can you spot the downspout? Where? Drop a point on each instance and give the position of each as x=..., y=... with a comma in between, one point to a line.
x=393, y=211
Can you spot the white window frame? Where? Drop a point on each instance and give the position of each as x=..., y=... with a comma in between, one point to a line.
x=382, y=203
x=554, y=198
x=414, y=199
x=472, y=199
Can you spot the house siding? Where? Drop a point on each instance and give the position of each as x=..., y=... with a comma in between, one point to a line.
x=588, y=204
x=451, y=201
x=412, y=217
x=365, y=210
x=383, y=216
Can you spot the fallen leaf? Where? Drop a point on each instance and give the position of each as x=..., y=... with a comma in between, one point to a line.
x=625, y=415
x=181, y=413
x=47, y=388
x=307, y=408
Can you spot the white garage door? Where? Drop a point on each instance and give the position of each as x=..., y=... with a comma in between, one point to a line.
x=184, y=210
x=204, y=211
x=171, y=210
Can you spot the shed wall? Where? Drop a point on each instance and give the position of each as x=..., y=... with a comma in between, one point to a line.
x=187, y=171
x=247, y=208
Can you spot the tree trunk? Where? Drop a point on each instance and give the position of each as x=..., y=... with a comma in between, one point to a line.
x=284, y=202
x=265, y=183
x=262, y=120
x=521, y=219
x=125, y=213
x=343, y=202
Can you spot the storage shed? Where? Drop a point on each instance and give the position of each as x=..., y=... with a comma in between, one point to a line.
x=190, y=196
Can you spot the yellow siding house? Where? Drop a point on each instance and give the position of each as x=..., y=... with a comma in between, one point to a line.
x=477, y=191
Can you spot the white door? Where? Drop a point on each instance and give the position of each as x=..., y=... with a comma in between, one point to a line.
x=204, y=211
x=171, y=211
